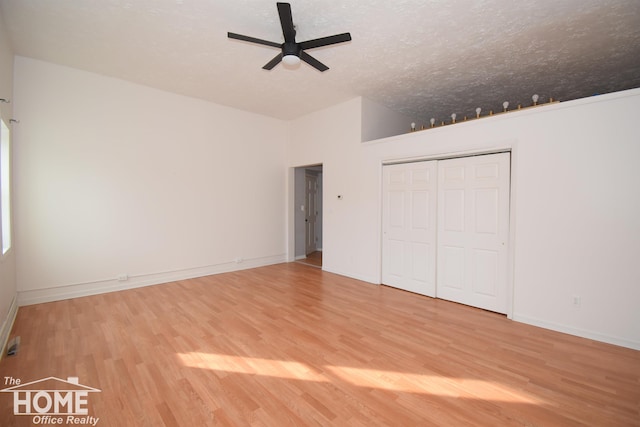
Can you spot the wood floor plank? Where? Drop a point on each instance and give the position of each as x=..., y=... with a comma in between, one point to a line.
x=291, y=345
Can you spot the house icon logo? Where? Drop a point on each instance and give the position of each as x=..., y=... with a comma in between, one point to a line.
x=52, y=400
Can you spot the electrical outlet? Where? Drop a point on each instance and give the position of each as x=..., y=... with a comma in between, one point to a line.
x=577, y=301
x=123, y=277
x=239, y=260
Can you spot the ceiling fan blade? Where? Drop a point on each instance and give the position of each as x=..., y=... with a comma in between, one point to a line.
x=275, y=61
x=253, y=40
x=325, y=41
x=313, y=61
x=286, y=21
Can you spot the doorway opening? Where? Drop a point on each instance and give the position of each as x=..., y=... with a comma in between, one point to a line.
x=308, y=215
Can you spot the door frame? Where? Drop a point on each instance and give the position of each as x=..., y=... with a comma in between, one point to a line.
x=296, y=247
x=510, y=147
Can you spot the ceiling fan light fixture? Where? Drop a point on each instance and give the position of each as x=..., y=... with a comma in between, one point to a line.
x=291, y=60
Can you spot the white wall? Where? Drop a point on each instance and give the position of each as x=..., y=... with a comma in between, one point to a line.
x=575, y=210
x=337, y=147
x=8, y=305
x=114, y=178
x=379, y=121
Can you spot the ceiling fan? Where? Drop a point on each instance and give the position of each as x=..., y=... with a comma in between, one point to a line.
x=292, y=51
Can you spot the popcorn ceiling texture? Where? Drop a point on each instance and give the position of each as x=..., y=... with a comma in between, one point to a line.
x=423, y=58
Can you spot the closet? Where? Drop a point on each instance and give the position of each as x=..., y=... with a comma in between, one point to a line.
x=446, y=228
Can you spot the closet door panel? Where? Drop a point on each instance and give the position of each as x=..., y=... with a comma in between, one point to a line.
x=409, y=226
x=473, y=230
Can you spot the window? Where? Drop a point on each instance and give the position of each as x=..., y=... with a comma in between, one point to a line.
x=5, y=188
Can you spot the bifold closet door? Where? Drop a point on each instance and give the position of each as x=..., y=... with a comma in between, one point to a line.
x=473, y=230
x=409, y=226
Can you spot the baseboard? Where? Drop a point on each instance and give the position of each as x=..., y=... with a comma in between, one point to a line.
x=58, y=293
x=7, y=325
x=622, y=342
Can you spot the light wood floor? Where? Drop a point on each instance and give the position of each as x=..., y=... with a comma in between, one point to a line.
x=314, y=259
x=291, y=345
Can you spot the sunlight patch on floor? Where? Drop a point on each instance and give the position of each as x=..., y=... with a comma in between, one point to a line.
x=372, y=378
x=431, y=384
x=251, y=365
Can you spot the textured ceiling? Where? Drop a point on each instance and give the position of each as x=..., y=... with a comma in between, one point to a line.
x=424, y=58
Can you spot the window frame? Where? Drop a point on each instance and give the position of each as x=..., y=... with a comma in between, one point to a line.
x=6, y=223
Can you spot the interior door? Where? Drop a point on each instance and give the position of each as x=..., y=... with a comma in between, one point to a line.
x=473, y=230
x=311, y=212
x=409, y=226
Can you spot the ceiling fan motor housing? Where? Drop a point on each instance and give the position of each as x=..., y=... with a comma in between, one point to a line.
x=290, y=48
